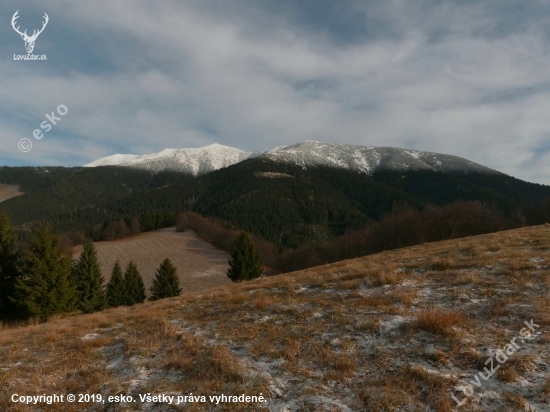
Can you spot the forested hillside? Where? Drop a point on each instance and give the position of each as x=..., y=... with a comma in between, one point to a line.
x=279, y=202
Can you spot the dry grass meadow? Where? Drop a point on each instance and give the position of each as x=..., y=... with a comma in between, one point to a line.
x=200, y=265
x=397, y=331
x=9, y=191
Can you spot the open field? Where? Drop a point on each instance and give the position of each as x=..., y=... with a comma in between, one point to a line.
x=398, y=331
x=200, y=265
x=9, y=191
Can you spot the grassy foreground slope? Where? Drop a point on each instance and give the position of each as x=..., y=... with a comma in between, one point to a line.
x=199, y=264
x=397, y=331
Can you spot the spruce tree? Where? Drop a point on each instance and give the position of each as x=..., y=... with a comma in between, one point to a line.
x=116, y=287
x=8, y=269
x=134, y=287
x=244, y=263
x=45, y=286
x=166, y=283
x=88, y=279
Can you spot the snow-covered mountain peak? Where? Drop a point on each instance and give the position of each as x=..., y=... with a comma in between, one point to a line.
x=365, y=159
x=368, y=159
x=194, y=161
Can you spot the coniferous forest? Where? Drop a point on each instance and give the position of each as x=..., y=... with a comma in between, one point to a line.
x=280, y=203
x=42, y=280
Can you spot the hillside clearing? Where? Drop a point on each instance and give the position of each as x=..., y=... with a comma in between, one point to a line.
x=398, y=331
x=200, y=265
x=9, y=191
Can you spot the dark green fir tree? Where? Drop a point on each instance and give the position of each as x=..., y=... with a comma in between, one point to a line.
x=8, y=269
x=116, y=289
x=244, y=263
x=166, y=283
x=88, y=279
x=134, y=287
x=45, y=287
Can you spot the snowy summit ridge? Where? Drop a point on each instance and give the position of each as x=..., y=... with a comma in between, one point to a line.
x=193, y=161
x=365, y=159
x=368, y=159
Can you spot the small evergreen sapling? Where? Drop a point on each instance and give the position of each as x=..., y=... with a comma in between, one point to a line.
x=89, y=280
x=116, y=288
x=166, y=283
x=244, y=263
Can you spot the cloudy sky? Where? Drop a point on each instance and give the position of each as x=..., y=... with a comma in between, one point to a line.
x=468, y=78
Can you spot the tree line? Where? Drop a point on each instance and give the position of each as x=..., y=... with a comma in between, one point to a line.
x=403, y=226
x=316, y=205
x=42, y=280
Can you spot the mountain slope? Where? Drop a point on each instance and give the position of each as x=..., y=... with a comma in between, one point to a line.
x=77, y=188
x=365, y=159
x=278, y=201
x=368, y=159
x=192, y=161
x=398, y=331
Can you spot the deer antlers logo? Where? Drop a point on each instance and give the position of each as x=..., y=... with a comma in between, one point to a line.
x=29, y=40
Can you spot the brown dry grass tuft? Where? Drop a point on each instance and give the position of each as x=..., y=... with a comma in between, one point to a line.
x=508, y=373
x=517, y=401
x=385, y=278
x=371, y=325
x=238, y=298
x=262, y=303
x=90, y=344
x=546, y=388
x=467, y=279
x=441, y=265
x=196, y=361
x=440, y=321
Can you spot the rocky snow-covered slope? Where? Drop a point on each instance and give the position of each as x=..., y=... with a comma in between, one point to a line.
x=366, y=159
x=193, y=161
x=369, y=159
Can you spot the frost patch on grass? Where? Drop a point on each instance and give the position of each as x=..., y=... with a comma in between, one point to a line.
x=394, y=322
x=90, y=336
x=143, y=376
x=118, y=361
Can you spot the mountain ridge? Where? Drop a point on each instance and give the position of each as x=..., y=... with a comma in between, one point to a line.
x=310, y=153
x=316, y=205
x=194, y=161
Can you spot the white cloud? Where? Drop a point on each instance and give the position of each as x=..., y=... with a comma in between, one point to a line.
x=443, y=81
